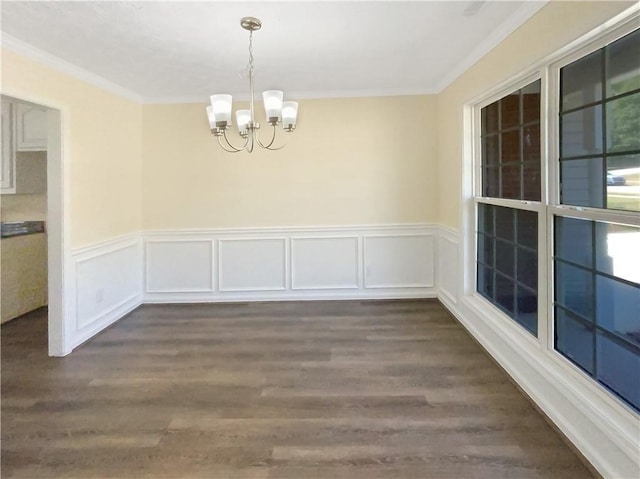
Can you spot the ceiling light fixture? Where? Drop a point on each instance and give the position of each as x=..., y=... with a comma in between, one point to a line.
x=277, y=111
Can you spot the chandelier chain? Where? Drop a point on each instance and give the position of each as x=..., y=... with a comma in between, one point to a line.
x=250, y=65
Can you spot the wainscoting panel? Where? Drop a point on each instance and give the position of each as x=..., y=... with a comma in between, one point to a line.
x=271, y=264
x=324, y=263
x=176, y=266
x=448, y=264
x=107, y=285
x=399, y=261
x=252, y=264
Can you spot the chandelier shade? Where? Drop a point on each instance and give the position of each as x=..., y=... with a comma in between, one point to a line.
x=221, y=105
x=243, y=118
x=277, y=111
x=211, y=118
x=273, y=104
x=289, y=115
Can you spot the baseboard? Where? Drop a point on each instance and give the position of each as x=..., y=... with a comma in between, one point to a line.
x=105, y=320
x=296, y=296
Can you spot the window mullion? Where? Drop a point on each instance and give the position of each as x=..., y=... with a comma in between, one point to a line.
x=545, y=270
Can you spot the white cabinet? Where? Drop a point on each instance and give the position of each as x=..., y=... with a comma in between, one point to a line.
x=23, y=275
x=7, y=173
x=24, y=170
x=31, y=131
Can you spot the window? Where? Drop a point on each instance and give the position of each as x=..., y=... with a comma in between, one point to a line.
x=508, y=262
x=511, y=145
x=597, y=301
x=597, y=256
x=587, y=214
x=507, y=234
x=600, y=127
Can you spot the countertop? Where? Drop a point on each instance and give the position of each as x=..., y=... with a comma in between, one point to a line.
x=11, y=229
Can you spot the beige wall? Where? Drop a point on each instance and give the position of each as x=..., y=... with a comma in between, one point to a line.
x=103, y=147
x=554, y=26
x=31, y=207
x=350, y=162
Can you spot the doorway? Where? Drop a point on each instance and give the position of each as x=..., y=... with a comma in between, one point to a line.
x=34, y=213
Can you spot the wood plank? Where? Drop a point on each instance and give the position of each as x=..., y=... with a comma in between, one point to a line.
x=327, y=389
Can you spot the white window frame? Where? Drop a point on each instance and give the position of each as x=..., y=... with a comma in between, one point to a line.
x=535, y=206
x=548, y=71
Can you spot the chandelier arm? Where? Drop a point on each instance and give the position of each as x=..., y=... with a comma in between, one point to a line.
x=231, y=149
x=275, y=148
x=246, y=141
x=268, y=147
x=273, y=138
x=225, y=148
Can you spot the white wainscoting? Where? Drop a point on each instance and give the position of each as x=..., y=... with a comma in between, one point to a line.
x=310, y=269
x=290, y=263
x=252, y=264
x=106, y=285
x=399, y=261
x=173, y=267
x=448, y=264
x=605, y=431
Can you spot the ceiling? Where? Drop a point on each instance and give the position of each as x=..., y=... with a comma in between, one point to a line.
x=186, y=51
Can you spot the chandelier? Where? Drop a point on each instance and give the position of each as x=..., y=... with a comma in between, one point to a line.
x=277, y=111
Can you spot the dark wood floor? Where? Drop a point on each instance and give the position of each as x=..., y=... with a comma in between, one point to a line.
x=305, y=390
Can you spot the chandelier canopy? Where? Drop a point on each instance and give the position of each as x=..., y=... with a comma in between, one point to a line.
x=277, y=111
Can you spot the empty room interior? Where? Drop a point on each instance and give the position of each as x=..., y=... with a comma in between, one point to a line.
x=320, y=239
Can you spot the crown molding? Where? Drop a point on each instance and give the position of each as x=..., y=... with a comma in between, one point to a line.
x=304, y=95
x=506, y=28
x=44, y=58
x=523, y=13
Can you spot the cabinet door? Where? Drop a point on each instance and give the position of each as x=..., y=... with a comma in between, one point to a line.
x=7, y=172
x=32, y=128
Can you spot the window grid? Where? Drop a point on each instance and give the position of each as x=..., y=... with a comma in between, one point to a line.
x=592, y=324
x=521, y=301
x=493, y=131
x=594, y=272
x=590, y=362
x=612, y=342
x=604, y=154
x=599, y=102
